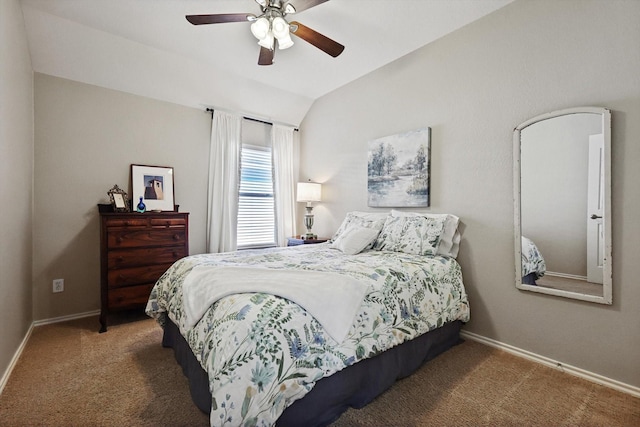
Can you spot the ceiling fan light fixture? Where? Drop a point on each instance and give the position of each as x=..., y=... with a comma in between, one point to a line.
x=267, y=41
x=285, y=42
x=260, y=28
x=272, y=25
x=280, y=29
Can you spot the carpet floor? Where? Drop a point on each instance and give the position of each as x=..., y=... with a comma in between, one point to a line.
x=70, y=375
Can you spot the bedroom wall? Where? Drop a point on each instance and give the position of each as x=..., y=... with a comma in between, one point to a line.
x=16, y=186
x=86, y=138
x=473, y=87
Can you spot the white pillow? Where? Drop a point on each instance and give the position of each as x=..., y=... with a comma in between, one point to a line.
x=361, y=219
x=355, y=239
x=450, y=237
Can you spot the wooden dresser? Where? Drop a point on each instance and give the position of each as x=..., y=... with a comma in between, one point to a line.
x=135, y=249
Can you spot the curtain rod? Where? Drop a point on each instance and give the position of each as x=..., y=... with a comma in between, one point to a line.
x=211, y=110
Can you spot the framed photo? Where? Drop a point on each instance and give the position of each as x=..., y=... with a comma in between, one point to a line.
x=399, y=170
x=155, y=185
x=119, y=199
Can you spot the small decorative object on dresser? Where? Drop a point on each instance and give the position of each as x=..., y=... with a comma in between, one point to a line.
x=141, y=208
x=301, y=240
x=134, y=252
x=119, y=199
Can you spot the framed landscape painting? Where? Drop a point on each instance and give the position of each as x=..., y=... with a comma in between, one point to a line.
x=399, y=168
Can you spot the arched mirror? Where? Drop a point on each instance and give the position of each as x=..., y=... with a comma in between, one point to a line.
x=562, y=198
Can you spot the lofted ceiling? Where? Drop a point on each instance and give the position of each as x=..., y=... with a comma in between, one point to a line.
x=147, y=47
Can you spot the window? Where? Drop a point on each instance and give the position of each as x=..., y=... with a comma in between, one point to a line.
x=256, y=208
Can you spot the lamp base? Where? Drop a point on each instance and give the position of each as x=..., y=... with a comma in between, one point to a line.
x=308, y=222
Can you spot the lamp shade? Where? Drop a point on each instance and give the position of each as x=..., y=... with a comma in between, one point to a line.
x=309, y=192
x=279, y=27
x=285, y=42
x=260, y=28
x=267, y=41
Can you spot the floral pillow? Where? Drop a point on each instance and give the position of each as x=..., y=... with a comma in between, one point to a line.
x=410, y=234
x=449, y=239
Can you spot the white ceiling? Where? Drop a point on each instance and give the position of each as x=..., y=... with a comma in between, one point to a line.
x=147, y=47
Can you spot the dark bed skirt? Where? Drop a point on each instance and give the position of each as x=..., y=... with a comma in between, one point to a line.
x=530, y=279
x=354, y=386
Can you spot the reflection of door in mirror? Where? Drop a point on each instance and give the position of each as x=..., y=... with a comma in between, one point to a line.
x=595, y=200
x=562, y=196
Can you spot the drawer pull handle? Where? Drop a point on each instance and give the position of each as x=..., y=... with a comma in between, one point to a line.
x=176, y=237
x=120, y=259
x=119, y=239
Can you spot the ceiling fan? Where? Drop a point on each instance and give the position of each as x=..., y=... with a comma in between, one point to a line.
x=270, y=27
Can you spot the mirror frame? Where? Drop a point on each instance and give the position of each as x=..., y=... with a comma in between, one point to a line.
x=607, y=285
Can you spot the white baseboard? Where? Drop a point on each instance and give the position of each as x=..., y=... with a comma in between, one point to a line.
x=65, y=318
x=18, y=353
x=565, y=276
x=572, y=370
x=14, y=360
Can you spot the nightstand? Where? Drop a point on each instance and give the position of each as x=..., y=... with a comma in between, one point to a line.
x=295, y=241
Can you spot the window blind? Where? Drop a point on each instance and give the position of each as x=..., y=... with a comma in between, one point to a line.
x=256, y=207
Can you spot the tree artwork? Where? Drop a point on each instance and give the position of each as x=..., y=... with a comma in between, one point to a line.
x=398, y=170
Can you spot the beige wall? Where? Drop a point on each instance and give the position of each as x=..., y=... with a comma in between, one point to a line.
x=473, y=87
x=16, y=187
x=86, y=138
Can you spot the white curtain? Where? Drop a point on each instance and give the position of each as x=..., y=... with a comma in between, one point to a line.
x=224, y=181
x=282, y=147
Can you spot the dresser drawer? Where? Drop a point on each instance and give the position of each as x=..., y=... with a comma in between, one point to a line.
x=122, y=258
x=126, y=238
x=167, y=222
x=127, y=222
x=136, y=275
x=129, y=297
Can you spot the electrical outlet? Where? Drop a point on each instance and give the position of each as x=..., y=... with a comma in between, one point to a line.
x=58, y=285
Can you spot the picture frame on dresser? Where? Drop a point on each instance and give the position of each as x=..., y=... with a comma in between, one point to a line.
x=119, y=199
x=155, y=185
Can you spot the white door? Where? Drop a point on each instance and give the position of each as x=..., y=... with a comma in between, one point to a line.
x=595, y=206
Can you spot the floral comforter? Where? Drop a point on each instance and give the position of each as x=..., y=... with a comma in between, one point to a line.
x=532, y=260
x=263, y=352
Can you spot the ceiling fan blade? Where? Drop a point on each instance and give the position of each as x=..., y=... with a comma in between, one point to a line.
x=266, y=56
x=219, y=18
x=301, y=5
x=320, y=41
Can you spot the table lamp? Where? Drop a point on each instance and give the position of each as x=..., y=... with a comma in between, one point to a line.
x=309, y=192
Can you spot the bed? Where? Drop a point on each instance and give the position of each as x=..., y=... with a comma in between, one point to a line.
x=356, y=313
x=533, y=265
